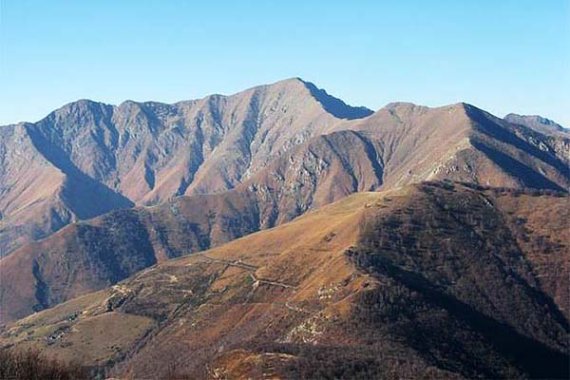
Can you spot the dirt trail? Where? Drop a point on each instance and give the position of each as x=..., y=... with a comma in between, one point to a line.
x=251, y=269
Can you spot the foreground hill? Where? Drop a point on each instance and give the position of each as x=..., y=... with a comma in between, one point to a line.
x=436, y=280
x=89, y=158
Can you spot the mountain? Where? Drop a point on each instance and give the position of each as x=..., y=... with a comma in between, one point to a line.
x=536, y=122
x=436, y=280
x=464, y=143
x=91, y=255
x=398, y=145
x=38, y=197
x=87, y=158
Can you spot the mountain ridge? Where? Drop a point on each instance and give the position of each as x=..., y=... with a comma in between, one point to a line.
x=273, y=182
x=536, y=122
x=130, y=142
x=279, y=232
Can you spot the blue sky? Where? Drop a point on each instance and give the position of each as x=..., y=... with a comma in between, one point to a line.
x=503, y=56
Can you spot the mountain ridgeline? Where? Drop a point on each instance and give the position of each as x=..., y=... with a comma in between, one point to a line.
x=220, y=168
x=88, y=158
x=279, y=232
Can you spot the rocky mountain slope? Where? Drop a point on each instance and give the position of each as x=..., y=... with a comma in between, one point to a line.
x=437, y=280
x=91, y=255
x=464, y=143
x=398, y=145
x=89, y=158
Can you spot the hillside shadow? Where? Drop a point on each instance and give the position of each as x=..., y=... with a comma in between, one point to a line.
x=516, y=169
x=86, y=196
x=496, y=132
x=533, y=357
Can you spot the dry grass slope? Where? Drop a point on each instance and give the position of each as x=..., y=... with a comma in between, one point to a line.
x=423, y=280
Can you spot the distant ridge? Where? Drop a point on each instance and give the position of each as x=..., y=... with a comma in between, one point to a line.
x=537, y=122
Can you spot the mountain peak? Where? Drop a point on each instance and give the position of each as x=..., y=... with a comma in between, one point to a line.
x=295, y=80
x=411, y=106
x=402, y=105
x=83, y=103
x=335, y=106
x=81, y=106
x=329, y=103
x=535, y=122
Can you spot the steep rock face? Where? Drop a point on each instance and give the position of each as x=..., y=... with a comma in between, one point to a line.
x=325, y=169
x=426, y=279
x=271, y=119
x=152, y=151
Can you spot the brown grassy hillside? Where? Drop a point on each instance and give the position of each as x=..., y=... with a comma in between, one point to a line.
x=427, y=280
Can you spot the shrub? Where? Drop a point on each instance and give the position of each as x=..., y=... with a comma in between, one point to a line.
x=32, y=365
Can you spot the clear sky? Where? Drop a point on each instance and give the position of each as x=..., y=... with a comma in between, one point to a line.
x=501, y=55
